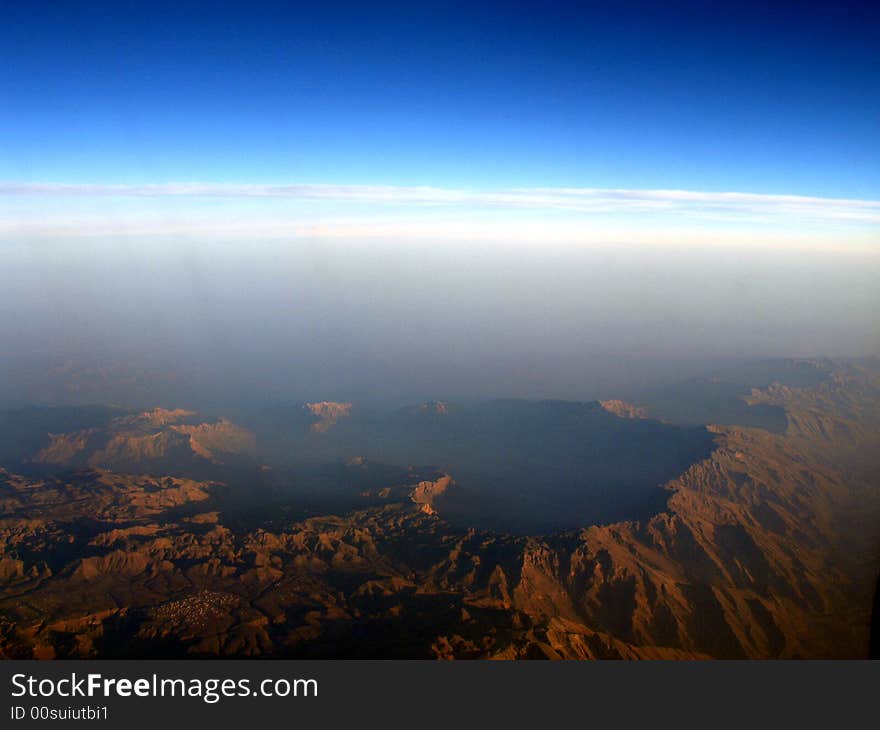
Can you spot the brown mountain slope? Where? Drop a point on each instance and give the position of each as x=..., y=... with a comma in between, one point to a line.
x=147, y=441
x=768, y=548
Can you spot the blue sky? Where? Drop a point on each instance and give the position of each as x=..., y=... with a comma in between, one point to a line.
x=463, y=188
x=770, y=97
x=767, y=98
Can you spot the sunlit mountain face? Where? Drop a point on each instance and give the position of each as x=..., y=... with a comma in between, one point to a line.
x=503, y=528
x=439, y=331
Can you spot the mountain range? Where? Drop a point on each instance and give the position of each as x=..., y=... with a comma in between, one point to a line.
x=502, y=529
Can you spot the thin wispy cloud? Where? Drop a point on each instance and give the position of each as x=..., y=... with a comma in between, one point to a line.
x=720, y=205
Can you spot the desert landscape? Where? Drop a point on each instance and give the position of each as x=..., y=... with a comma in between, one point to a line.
x=552, y=530
x=443, y=330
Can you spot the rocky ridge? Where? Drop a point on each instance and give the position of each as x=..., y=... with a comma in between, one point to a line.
x=768, y=548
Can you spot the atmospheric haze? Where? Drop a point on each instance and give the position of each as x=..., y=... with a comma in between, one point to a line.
x=408, y=320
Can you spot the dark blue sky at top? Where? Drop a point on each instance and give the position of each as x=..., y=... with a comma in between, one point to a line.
x=771, y=97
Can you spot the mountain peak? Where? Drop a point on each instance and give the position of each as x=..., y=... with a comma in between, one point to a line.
x=623, y=409
x=438, y=407
x=328, y=413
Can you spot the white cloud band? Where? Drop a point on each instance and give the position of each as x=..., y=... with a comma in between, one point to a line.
x=723, y=205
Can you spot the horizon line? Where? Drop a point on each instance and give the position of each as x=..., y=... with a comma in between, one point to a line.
x=586, y=200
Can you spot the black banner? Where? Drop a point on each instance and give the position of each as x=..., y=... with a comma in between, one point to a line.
x=150, y=694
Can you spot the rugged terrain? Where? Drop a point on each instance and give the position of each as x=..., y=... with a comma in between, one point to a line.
x=121, y=539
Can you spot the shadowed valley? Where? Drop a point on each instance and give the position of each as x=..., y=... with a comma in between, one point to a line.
x=506, y=529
